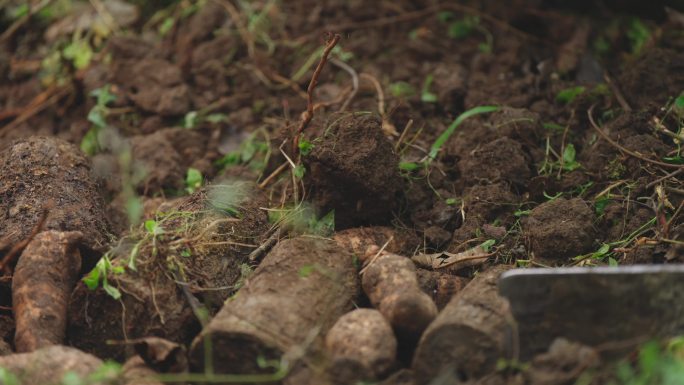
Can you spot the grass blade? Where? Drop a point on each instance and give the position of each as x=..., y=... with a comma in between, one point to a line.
x=452, y=127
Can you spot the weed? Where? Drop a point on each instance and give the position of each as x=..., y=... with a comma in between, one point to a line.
x=402, y=90
x=567, y=162
x=305, y=147
x=252, y=152
x=568, y=95
x=468, y=25
x=442, y=139
x=425, y=94
x=193, y=180
x=98, y=117
x=302, y=219
x=638, y=34
x=99, y=275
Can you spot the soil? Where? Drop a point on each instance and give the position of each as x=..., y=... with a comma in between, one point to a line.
x=583, y=153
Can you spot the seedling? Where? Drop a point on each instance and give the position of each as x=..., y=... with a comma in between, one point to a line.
x=402, y=90
x=568, y=95
x=425, y=94
x=98, y=117
x=305, y=147
x=193, y=180
x=100, y=275
x=468, y=25
x=638, y=35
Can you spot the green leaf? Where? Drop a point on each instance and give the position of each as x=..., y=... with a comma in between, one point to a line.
x=96, y=117
x=601, y=252
x=305, y=147
x=19, y=11
x=89, y=143
x=612, y=262
x=326, y=225
x=71, y=378
x=437, y=145
x=103, y=95
x=401, y=90
x=638, y=35
x=153, y=227
x=299, y=171
x=8, y=378
x=216, y=118
x=190, y=119
x=567, y=95
x=134, y=209
x=425, y=94
x=520, y=213
x=487, y=245
x=463, y=28
x=92, y=280
x=306, y=270
x=193, y=180
x=569, y=154
x=451, y=201
x=409, y=166
x=166, y=26
x=79, y=52
x=111, y=290
x=600, y=205
x=679, y=102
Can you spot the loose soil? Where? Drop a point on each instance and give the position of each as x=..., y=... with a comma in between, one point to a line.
x=581, y=165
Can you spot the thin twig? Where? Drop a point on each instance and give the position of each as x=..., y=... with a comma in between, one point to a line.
x=403, y=134
x=255, y=255
x=273, y=175
x=618, y=95
x=670, y=175
x=308, y=114
x=623, y=149
x=372, y=260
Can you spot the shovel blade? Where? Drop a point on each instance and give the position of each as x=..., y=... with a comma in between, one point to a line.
x=597, y=306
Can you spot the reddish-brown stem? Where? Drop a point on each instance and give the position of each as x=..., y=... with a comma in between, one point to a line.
x=308, y=114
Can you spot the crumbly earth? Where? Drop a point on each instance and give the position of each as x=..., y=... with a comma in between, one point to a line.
x=217, y=88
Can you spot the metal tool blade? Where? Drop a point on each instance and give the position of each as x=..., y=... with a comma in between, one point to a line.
x=594, y=306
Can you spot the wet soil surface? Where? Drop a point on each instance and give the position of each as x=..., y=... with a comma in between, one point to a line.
x=580, y=163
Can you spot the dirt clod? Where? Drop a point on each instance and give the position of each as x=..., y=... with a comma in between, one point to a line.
x=353, y=170
x=559, y=229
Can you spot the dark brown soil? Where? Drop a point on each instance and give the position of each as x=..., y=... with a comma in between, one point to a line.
x=219, y=88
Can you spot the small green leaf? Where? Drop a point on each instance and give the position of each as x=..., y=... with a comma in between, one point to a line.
x=71, y=378
x=612, y=262
x=409, y=166
x=216, y=118
x=103, y=95
x=299, y=171
x=601, y=252
x=8, y=378
x=326, y=225
x=89, y=143
x=401, y=90
x=193, y=180
x=426, y=95
x=451, y=201
x=186, y=253
x=600, y=205
x=463, y=28
x=569, y=154
x=79, y=52
x=166, y=26
x=679, y=102
x=153, y=227
x=487, y=245
x=190, y=119
x=92, y=280
x=96, y=117
x=306, y=270
x=305, y=147
x=567, y=95
x=444, y=136
x=134, y=209
x=111, y=290
x=520, y=213
x=638, y=35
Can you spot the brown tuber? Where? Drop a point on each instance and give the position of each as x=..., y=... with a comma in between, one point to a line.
x=361, y=345
x=391, y=284
x=293, y=298
x=43, y=280
x=471, y=333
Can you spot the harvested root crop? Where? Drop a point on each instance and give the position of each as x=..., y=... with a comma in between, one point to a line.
x=362, y=346
x=468, y=337
x=316, y=283
x=391, y=284
x=43, y=280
